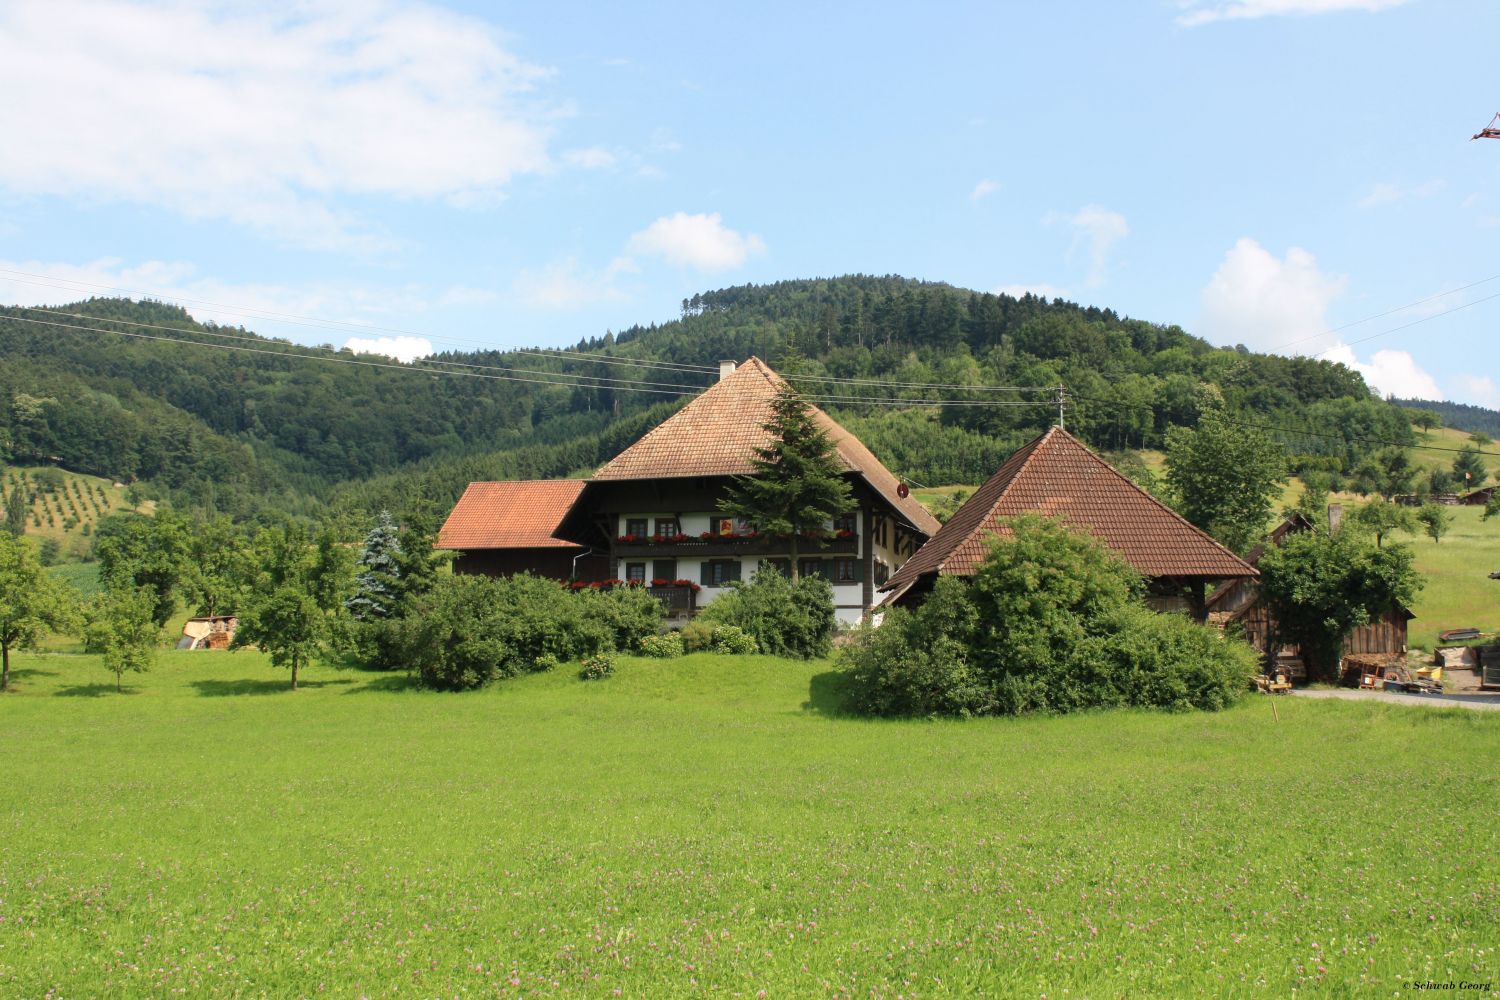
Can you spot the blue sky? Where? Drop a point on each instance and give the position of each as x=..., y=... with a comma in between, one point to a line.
x=1266, y=172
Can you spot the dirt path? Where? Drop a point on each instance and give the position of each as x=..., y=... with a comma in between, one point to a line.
x=1483, y=702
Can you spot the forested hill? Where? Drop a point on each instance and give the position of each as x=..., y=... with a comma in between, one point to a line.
x=218, y=417
x=1460, y=416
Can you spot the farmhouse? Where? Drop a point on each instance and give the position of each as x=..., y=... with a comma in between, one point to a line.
x=1057, y=476
x=650, y=515
x=1238, y=602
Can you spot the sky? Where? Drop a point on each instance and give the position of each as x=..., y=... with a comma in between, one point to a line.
x=1291, y=175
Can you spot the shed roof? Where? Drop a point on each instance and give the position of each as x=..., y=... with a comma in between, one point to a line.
x=718, y=433
x=1055, y=475
x=516, y=514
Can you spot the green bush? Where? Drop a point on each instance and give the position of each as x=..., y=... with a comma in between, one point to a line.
x=663, y=647
x=731, y=640
x=597, y=667
x=697, y=635
x=1048, y=623
x=544, y=663
x=786, y=619
x=469, y=630
x=630, y=613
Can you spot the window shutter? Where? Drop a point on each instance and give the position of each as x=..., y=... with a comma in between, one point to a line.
x=859, y=571
x=706, y=573
x=734, y=570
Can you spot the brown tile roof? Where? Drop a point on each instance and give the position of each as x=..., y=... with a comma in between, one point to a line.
x=1055, y=475
x=718, y=432
x=521, y=514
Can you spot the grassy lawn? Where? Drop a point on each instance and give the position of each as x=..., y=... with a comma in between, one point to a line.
x=702, y=826
x=1459, y=592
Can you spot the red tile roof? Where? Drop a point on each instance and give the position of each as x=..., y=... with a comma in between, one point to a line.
x=1055, y=475
x=718, y=432
x=520, y=514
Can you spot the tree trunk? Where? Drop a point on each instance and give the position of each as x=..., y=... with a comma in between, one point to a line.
x=294, y=673
x=5, y=671
x=792, y=551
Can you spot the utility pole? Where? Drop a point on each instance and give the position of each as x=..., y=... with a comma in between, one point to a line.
x=1062, y=405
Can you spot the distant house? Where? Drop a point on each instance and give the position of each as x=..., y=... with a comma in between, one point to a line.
x=1057, y=476
x=504, y=528
x=1478, y=498
x=651, y=514
x=1237, y=602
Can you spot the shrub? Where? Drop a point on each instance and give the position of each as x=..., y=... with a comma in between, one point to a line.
x=630, y=613
x=662, y=647
x=918, y=662
x=544, y=663
x=730, y=640
x=1048, y=623
x=469, y=630
x=785, y=619
x=697, y=635
x=597, y=667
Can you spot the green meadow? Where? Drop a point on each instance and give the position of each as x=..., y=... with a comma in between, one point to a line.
x=710, y=825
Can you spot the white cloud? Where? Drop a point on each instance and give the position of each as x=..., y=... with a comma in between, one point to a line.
x=1476, y=390
x=701, y=242
x=1097, y=228
x=1388, y=193
x=1390, y=373
x=593, y=158
x=1196, y=12
x=1269, y=304
x=263, y=115
x=1039, y=289
x=401, y=348
x=984, y=189
x=565, y=285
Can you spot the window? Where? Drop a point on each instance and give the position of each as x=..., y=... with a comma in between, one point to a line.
x=846, y=571
x=664, y=569
x=849, y=523
x=636, y=526
x=635, y=572
x=666, y=527
x=782, y=566
x=720, y=572
x=882, y=572
x=811, y=567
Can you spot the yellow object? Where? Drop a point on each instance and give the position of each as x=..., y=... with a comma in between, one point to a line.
x=1431, y=673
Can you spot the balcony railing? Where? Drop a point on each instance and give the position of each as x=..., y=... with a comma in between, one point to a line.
x=721, y=545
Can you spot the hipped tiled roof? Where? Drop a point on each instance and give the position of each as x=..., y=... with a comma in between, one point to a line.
x=718, y=433
x=1056, y=476
x=521, y=514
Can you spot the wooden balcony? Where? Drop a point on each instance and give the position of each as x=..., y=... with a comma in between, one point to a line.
x=717, y=546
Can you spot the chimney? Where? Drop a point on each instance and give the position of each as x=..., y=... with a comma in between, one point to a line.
x=726, y=368
x=1335, y=516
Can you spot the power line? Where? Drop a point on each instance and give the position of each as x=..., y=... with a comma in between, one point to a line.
x=262, y=340
x=431, y=372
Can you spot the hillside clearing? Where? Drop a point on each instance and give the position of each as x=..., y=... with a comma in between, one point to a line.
x=701, y=825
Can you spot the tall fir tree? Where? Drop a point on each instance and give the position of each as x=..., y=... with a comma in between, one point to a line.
x=798, y=483
x=378, y=573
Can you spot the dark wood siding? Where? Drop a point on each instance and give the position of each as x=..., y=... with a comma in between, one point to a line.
x=556, y=564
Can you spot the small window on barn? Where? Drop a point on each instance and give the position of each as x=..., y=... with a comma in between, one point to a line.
x=882, y=572
x=664, y=569
x=846, y=571
x=666, y=527
x=782, y=566
x=849, y=523
x=636, y=526
x=812, y=567
x=635, y=572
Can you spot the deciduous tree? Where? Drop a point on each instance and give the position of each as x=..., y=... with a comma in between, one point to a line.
x=1380, y=519
x=1320, y=587
x=121, y=627
x=293, y=611
x=1435, y=520
x=1226, y=477
x=31, y=602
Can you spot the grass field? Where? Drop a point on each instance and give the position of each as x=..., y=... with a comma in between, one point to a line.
x=702, y=826
x=1458, y=592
